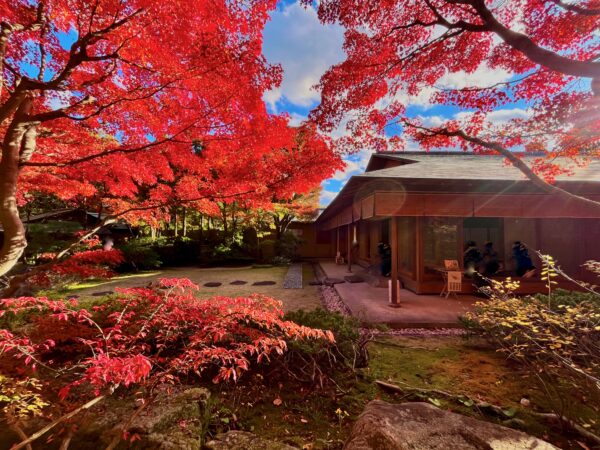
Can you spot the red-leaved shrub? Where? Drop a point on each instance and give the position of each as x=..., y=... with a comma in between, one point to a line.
x=147, y=336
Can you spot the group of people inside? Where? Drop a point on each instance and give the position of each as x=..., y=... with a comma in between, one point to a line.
x=487, y=262
x=483, y=262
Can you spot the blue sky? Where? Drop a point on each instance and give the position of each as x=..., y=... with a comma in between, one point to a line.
x=305, y=48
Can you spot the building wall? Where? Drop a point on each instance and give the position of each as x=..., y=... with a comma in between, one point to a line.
x=316, y=243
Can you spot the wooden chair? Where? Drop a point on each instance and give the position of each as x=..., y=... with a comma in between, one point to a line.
x=452, y=283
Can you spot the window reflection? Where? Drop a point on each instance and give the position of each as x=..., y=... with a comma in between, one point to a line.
x=440, y=242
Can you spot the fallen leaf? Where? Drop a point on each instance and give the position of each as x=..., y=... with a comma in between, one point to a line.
x=277, y=401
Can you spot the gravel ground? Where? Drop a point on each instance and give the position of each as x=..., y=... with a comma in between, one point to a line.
x=420, y=332
x=293, y=277
x=332, y=301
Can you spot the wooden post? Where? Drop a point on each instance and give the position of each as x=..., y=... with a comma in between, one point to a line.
x=419, y=269
x=337, y=244
x=349, y=251
x=394, y=278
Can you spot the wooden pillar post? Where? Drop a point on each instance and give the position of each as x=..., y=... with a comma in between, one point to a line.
x=349, y=250
x=394, y=245
x=337, y=241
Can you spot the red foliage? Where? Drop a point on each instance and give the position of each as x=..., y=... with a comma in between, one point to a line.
x=402, y=53
x=135, y=116
x=149, y=336
x=80, y=266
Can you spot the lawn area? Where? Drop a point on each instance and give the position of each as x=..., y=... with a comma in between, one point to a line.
x=305, y=298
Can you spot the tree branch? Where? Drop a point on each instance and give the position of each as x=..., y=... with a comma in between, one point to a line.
x=534, y=52
x=61, y=419
x=577, y=9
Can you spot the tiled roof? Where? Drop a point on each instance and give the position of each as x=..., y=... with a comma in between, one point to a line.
x=461, y=166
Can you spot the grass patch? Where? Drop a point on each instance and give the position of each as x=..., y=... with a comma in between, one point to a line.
x=88, y=284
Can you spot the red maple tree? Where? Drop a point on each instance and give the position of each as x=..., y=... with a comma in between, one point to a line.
x=401, y=49
x=135, y=106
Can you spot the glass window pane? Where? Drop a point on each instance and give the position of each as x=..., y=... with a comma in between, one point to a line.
x=440, y=242
x=406, y=245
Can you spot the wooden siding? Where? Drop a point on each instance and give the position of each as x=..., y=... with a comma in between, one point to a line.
x=345, y=216
x=356, y=211
x=368, y=207
x=480, y=205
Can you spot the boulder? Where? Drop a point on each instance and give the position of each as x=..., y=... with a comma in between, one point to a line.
x=242, y=440
x=422, y=426
x=173, y=421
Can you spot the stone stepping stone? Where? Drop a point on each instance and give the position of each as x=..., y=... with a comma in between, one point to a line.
x=212, y=284
x=263, y=283
x=332, y=281
x=238, y=282
x=293, y=277
x=354, y=279
x=102, y=293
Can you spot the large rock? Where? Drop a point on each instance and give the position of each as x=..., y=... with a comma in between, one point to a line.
x=172, y=422
x=421, y=426
x=242, y=440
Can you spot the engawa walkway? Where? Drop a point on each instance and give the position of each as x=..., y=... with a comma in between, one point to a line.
x=370, y=304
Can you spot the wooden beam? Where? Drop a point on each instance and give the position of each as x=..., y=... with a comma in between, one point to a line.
x=349, y=251
x=394, y=245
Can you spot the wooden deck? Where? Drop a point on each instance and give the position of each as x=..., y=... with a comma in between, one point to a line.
x=370, y=304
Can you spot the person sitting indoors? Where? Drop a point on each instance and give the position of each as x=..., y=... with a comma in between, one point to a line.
x=523, y=264
x=471, y=258
x=490, y=262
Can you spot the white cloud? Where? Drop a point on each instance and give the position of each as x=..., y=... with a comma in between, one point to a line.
x=501, y=116
x=305, y=48
x=271, y=97
x=326, y=197
x=481, y=77
x=498, y=117
x=296, y=119
x=355, y=164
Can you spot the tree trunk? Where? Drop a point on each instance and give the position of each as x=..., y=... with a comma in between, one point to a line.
x=176, y=223
x=14, y=232
x=184, y=222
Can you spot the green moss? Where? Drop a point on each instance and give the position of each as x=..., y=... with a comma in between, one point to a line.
x=99, y=282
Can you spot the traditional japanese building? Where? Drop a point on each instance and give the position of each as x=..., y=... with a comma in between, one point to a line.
x=427, y=206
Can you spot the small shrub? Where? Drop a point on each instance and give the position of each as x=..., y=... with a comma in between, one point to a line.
x=287, y=246
x=556, y=336
x=139, y=256
x=349, y=350
x=281, y=261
